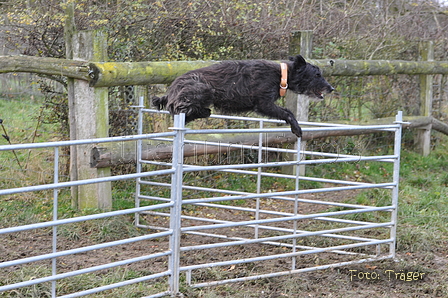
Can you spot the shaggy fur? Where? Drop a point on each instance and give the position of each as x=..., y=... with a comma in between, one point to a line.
x=241, y=86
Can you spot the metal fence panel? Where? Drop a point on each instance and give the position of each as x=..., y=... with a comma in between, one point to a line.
x=216, y=234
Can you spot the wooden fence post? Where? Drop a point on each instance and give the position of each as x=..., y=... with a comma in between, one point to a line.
x=69, y=31
x=423, y=137
x=90, y=116
x=301, y=43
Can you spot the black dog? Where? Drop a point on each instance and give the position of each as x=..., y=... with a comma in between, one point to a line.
x=241, y=86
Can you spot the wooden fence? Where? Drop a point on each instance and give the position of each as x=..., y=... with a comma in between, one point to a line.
x=89, y=74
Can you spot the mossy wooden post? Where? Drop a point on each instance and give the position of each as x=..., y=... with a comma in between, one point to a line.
x=301, y=43
x=423, y=137
x=91, y=117
x=69, y=31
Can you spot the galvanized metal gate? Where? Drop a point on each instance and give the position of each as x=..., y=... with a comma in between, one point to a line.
x=213, y=234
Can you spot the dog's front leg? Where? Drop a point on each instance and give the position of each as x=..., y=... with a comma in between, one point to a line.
x=280, y=113
x=295, y=128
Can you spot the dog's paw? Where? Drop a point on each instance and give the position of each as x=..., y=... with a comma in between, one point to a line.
x=297, y=131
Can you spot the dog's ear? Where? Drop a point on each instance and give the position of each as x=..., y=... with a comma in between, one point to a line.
x=299, y=61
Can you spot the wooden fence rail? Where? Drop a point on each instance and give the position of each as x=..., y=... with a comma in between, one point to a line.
x=106, y=74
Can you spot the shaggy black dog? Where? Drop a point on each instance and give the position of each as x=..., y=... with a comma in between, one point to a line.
x=241, y=86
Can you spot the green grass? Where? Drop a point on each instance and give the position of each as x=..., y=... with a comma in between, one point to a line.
x=22, y=120
x=423, y=209
x=81, y=282
x=423, y=195
x=22, y=123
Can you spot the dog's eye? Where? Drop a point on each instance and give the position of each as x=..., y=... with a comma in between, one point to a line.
x=318, y=75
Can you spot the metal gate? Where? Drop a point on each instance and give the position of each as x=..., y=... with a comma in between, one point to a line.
x=209, y=233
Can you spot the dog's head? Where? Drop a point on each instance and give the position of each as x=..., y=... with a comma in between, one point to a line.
x=305, y=78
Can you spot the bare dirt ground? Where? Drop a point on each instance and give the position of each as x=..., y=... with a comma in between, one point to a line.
x=411, y=274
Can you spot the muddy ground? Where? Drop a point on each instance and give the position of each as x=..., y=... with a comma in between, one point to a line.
x=411, y=274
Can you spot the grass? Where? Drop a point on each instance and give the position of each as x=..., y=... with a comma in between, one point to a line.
x=81, y=282
x=22, y=123
x=423, y=195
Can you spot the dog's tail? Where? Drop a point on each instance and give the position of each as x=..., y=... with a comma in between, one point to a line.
x=160, y=102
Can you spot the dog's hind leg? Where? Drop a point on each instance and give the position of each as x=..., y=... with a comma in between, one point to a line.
x=159, y=102
x=192, y=111
x=276, y=112
x=193, y=100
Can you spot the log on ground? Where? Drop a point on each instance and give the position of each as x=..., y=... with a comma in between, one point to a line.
x=126, y=152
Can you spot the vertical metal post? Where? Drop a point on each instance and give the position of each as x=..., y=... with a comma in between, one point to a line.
x=176, y=198
x=396, y=179
x=55, y=217
x=260, y=159
x=139, y=157
x=296, y=203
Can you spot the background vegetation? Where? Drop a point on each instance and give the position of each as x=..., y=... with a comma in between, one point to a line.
x=193, y=29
